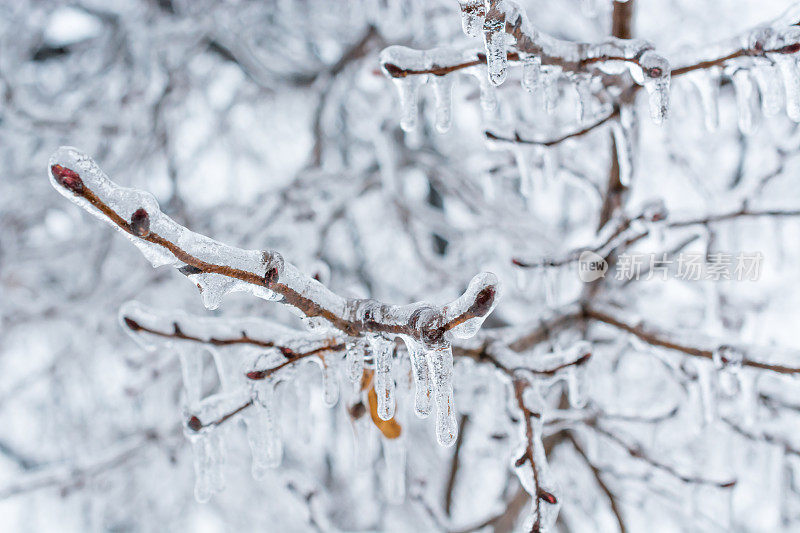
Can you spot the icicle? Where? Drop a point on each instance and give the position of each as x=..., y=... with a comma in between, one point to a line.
x=472, y=14
x=265, y=444
x=408, y=89
x=202, y=479
x=354, y=362
x=192, y=371
x=584, y=91
x=442, y=90
x=787, y=65
x=394, y=455
x=707, y=85
x=728, y=361
x=743, y=85
x=623, y=131
x=330, y=383
x=422, y=382
x=495, y=42
x=384, y=382
x=707, y=392
x=525, y=179
x=770, y=87
x=576, y=386
x=656, y=74
x=531, y=73
x=440, y=362
x=488, y=96
x=549, y=77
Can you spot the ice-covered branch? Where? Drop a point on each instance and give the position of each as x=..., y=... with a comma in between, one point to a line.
x=720, y=352
x=218, y=269
x=637, y=452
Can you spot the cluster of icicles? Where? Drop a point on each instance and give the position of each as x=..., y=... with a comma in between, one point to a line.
x=548, y=61
x=767, y=77
x=431, y=358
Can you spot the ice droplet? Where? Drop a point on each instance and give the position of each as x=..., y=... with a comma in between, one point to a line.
x=382, y=350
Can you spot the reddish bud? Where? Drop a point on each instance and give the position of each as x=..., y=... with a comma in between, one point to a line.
x=271, y=276
x=256, y=374
x=394, y=71
x=194, y=424
x=655, y=72
x=484, y=301
x=287, y=352
x=132, y=324
x=547, y=497
x=790, y=49
x=68, y=178
x=140, y=223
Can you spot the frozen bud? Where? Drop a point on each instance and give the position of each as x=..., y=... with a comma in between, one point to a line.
x=357, y=410
x=257, y=375
x=67, y=178
x=132, y=324
x=194, y=423
x=728, y=357
x=273, y=262
x=484, y=301
x=547, y=497
x=140, y=223
x=655, y=211
x=653, y=65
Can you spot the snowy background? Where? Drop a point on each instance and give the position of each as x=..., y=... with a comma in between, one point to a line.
x=270, y=125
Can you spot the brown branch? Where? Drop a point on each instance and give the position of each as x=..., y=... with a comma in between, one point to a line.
x=528, y=455
x=612, y=499
x=430, y=332
x=519, y=140
x=656, y=338
x=454, y=465
x=638, y=453
x=765, y=437
x=626, y=224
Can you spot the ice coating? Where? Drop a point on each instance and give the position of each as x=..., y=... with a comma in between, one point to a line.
x=263, y=274
x=509, y=36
